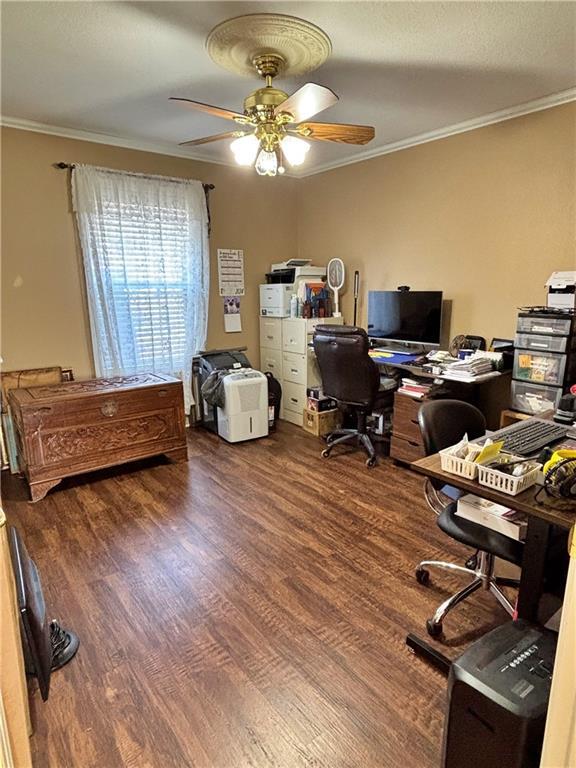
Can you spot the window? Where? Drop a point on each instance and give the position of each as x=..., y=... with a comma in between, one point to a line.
x=145, y=251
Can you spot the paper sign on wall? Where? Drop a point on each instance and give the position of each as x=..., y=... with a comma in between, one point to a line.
x=232, y=319
x=231, y=272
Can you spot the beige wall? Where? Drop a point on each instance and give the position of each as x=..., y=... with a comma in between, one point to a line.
x=484, y=216
x=44, y=320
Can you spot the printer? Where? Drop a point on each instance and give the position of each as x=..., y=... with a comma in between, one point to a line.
x=295, y=270
x=275, y=299
x=282, y=282
x=562, y=290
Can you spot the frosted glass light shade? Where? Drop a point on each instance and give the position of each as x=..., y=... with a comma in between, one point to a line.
x=267, y=163
x=245, y=149
x=294, y=149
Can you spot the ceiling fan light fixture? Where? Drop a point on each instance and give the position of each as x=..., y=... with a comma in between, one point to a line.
x=245, y=149
x=274, y=44
x=266, y=163
x=294, y=149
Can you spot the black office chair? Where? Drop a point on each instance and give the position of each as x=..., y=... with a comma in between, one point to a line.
x=444, y=423
x=351, y=377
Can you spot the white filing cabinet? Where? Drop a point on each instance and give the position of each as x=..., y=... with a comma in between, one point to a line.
x=284, y=351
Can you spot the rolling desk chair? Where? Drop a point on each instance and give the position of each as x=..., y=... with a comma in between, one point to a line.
x=352, y=378
x=443, y=423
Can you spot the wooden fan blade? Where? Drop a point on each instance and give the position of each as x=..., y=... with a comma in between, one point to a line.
x=227, y=114
x=215, y=137
x=307, y=102
x=346, y=134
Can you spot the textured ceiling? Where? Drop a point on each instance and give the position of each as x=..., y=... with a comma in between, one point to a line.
x=405, y=67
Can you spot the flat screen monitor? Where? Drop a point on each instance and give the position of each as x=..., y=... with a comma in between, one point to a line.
x=406, y=316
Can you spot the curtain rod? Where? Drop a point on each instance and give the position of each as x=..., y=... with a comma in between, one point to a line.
x=64, y=166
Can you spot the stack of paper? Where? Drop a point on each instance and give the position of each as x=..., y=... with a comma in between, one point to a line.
x=469, y=369
x=414, y=388
x=495, y=516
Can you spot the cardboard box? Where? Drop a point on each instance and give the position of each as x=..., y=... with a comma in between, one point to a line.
x=321, y=404
x=321, y=423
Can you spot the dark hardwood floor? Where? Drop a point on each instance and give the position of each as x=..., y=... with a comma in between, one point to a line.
x=247, y=608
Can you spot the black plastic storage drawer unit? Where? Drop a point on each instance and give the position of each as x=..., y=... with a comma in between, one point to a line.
x=544, y=359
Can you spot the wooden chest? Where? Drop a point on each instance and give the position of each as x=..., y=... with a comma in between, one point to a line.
x=79, y=426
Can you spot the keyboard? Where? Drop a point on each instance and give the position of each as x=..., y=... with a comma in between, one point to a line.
x=530, y=436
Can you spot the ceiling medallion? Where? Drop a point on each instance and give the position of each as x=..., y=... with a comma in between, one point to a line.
x=235, y=43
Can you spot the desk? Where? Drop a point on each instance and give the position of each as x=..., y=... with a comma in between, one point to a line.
x=490, y=395
x=541, y=518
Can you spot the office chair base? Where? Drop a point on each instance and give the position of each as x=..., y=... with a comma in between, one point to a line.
x=483, y=577
x=347, y=436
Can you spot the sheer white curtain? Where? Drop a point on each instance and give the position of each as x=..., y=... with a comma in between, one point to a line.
x=146, y=259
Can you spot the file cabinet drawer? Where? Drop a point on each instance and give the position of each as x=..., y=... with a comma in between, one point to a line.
x=294, y=397
x=406, y=450
x=294, y=367
x=301, y=369
x=294, y=336
x=405, y=418
x=271, y=332
x=294, y=417
x=271, y=360
x=312, y=322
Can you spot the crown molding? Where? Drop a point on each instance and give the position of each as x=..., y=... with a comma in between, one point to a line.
x=164, y=148
x=537, y=105
x=157, y=147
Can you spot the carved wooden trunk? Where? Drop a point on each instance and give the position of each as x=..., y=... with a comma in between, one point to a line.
x=78, y=426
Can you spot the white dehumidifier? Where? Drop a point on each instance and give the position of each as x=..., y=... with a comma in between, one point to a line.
x=245, y=413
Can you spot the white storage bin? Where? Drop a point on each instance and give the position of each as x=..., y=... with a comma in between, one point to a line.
x=542, y=343
x=548, y=324
x=534, y=398
x=456, y=466
x=539, y=367
x=500, y=481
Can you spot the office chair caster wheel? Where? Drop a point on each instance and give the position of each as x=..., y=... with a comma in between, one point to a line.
x=434, y=630
x=472, y=562
x=422, y=576
x=325, y=453
x=371, y=462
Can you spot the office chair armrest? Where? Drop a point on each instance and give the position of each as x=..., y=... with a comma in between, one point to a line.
x=387, y=384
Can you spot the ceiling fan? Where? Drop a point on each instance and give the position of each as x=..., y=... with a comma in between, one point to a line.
x=274, y=126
